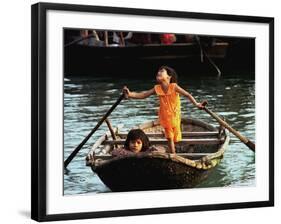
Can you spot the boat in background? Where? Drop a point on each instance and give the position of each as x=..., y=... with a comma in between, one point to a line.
x=143, y=54
x=145, y=59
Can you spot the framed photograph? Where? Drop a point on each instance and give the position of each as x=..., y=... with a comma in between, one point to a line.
x=140, y=111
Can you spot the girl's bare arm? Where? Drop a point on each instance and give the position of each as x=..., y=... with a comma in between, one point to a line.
x=140, y=95
x=189, y=96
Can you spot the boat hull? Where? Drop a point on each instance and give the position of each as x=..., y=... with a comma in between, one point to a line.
x=131, y=174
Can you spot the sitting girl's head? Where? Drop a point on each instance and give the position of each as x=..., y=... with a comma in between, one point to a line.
x=137, y=141
x=166, y=73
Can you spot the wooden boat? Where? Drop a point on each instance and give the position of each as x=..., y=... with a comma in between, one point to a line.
x=199, y=152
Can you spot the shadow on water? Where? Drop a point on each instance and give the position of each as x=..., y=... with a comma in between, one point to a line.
x=86, y=100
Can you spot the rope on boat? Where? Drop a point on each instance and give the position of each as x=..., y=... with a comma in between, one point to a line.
x=203, y=53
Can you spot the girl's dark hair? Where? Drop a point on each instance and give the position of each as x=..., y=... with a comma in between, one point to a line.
x=171, y=72
x=135, y=134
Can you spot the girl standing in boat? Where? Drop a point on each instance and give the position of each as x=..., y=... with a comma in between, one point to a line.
x=170, y=107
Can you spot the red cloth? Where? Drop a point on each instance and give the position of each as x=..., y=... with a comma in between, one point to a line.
x=167, y=38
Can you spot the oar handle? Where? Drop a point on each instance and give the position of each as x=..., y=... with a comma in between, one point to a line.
x=242, y=138
x=77, y=149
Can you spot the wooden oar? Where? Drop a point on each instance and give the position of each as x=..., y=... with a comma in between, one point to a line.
x=242, y=138
x=73, y=154
x=110, y=129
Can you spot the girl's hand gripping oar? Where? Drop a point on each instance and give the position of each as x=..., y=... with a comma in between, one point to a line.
x=242, y=138
x=73, y=154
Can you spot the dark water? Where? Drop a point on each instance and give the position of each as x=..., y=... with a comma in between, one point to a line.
x=86, y=100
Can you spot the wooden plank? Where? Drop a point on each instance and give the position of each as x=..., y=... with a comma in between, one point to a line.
x=94, y=148
x=209, y=141
x=109, y=156
x=184, y=134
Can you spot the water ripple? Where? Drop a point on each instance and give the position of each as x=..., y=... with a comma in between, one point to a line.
x=86, y=100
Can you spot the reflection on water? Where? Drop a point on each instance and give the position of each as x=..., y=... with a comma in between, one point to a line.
x=86, y=100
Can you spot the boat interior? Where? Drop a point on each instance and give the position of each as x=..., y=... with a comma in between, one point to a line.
x=198, y=140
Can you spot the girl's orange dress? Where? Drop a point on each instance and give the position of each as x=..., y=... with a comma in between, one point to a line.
x=170, y=111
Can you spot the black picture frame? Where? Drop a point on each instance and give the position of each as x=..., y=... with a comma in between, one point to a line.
x=39, y=110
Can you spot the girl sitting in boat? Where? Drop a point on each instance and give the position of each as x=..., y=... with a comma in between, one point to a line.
x=136, y=141
x=168, y=92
